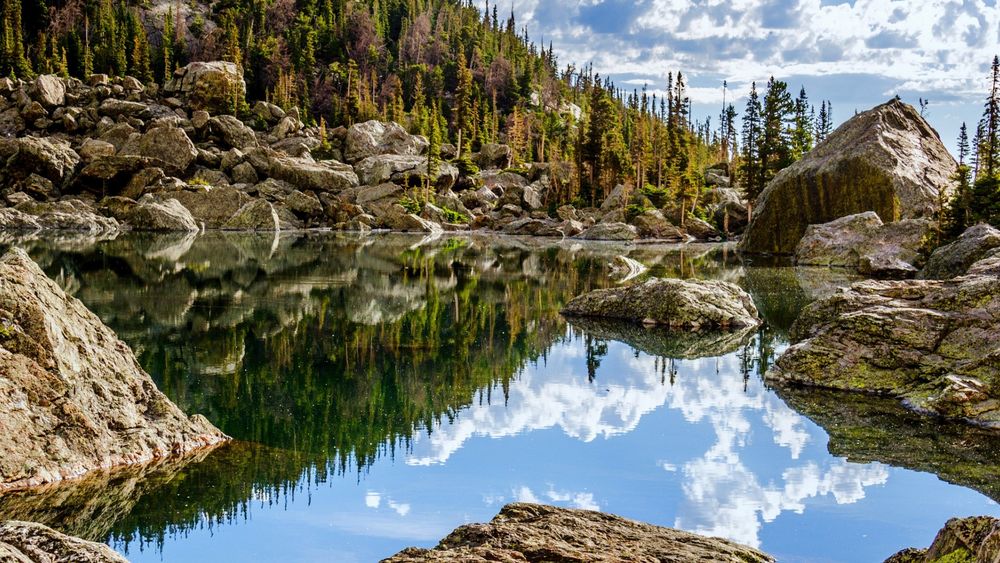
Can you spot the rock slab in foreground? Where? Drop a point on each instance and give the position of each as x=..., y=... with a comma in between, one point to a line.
x=535, y=533
x=73, y=397
x=887, y=160
x=932, y=344
x=28, y=542
x=678, y=304
x=962, y=540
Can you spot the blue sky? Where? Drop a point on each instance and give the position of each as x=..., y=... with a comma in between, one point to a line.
x=855, y=54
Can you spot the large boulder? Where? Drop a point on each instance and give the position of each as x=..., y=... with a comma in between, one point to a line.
x=375, y=137
x=307, y=174
x=258, y=215
x=210, y=206
x=215, y=86
x=49, y=90
x=931, y=344
x=863, y=242
x=49, y=157
x=887, y=160
x=151, y=214
x=29, y=542
x=232, y=132
x=954, y=259
x=652, y=224
x=535, y=533
x=73, y=397
x=169, y=147
x=674, y=303
x=618, y=232
x=972, y=540
x=494, y=156
x=405, y=170
x=67, y=215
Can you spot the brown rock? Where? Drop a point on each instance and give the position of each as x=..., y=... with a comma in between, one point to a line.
x=28, y=542
x=539, y=534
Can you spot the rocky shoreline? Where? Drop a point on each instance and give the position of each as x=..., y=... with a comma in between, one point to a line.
x=114, y=154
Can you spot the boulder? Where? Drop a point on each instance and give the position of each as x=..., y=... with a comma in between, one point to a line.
x=862, y=242
x=398, y=219
x=887, y=160
x=652, y=224
x=494, y=156
x=73, y=395
x=47, y=156
x=375, y=137
x=93, y=149
x=405, y=170
x=699, y=229
x=502, y=182
x=954, y=259
x=524, y=532
x=931, y=344
x=674, y=303
x=972, y=540
x=210, y=206
x=150, y=214
x=49, y=90
x=29, y=542
x=610, y=232
x=215, y=86
x=232, y=132
x=66, y=215
x=258, y=215
x=616, y=199
x=169, y=147
x=112, y=107
x=307, y=174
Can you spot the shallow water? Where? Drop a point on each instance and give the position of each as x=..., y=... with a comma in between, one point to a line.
x=386, y=390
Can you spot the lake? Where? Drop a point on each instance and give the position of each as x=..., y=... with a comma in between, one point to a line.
x=384, y=390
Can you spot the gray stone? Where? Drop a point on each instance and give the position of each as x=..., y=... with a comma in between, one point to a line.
x=169, y=147
x=954, y=259
x=49, y=90
x=30, y=542
x=232, y=131
x=75, y=398
x=212, y=86
x=610, y=232
x=374, y=138
x=257, y=215
x=674, y=303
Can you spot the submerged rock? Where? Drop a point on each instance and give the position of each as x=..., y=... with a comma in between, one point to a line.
x=679, y=304
x=887, y=160
x=72, y=395
x=28, y=542
x=536, y=533
x=954, y=259
x=930, y=343
x=962, y=540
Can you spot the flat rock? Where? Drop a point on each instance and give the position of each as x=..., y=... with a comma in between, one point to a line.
x=610, y=232
x=307, y=174
x=28, y=542
x=887, y=160
x=535, y=533
x=675, y=303
x=73, y=397
x=931, y=344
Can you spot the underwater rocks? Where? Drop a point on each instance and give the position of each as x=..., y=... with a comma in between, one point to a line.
x=931, y=344
x=887, y=160
x=28, y=542
x=536, y=533
x=674, y=303
x=73, y=397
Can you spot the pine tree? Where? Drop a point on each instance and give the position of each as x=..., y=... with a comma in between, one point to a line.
x=958, y=214
x=802, y=134
x=12, y=57
x=750, y=171
x=824, y=123
x=775, y=146
x=167, y=45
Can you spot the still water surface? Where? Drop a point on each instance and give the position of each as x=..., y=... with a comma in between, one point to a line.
x=385, y=390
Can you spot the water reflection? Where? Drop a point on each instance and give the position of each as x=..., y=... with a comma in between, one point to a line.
x=425, y=382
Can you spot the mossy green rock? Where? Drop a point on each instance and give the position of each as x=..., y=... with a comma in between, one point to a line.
x=930, y=343
x=962, y=540
x=887, y=160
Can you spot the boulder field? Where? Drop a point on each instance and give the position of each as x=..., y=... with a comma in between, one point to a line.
x=113, y=154
x=73, y=397
x=533, y=533
x=887, y=160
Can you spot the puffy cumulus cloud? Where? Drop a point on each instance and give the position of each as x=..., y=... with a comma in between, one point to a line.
x=921, y=46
